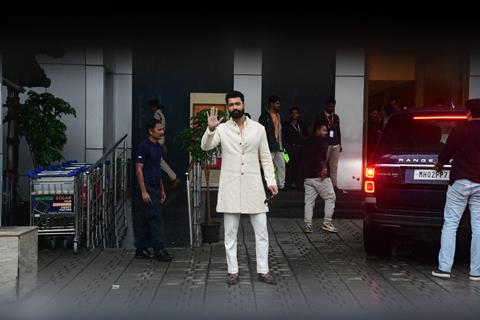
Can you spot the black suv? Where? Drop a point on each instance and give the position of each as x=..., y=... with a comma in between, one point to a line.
x=404, y=195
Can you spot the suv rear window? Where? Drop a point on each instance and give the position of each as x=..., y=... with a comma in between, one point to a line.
x=404, y=134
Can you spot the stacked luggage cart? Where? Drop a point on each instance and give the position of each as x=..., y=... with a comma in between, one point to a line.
x=55, y=202
x=80, y=203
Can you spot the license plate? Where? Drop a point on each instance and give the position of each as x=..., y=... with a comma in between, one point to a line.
x=431, y=175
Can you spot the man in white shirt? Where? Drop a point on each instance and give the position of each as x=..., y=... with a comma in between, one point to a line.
x=244, y=150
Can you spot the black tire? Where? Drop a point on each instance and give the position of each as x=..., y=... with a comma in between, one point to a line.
x=67, y=243
x=75, y=247
x=52, y=244
x=376, y=241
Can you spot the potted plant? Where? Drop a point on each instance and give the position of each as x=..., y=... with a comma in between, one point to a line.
x=190, y=139
x=39, y=121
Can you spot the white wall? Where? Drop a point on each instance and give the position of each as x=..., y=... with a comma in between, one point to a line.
x=95, y=104
x=102, y=99
x=349, y=94
x=118, y=83
x=247, y=78
x=474, y=85
x=68, y=81
x=1, y=136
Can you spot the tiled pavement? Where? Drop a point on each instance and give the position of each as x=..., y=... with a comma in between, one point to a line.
x=318, y=273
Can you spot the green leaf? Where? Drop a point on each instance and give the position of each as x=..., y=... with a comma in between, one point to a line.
x=40, y=123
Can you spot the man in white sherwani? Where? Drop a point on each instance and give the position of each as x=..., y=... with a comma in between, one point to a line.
x=244, y=148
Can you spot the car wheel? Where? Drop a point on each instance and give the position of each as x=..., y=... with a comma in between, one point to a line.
x=376, y=241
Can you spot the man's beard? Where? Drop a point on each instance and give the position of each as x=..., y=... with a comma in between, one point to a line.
x=236, y=114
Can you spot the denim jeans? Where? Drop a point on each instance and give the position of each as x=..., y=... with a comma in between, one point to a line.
x=462, y=193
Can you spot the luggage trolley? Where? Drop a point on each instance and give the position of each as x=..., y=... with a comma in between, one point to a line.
x=56, y=203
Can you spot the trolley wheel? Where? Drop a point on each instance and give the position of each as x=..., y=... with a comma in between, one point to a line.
x=75, y=247
x=43, y=243
x=67, y=243
x=52, y=243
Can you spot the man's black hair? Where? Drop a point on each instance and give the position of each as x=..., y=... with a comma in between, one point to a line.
x=234, y=94
x=273, y=99
x=330, y=100
x=155, y=103
x=293, y=109
x=319, y=125
x=152, y=124
x=473, y=105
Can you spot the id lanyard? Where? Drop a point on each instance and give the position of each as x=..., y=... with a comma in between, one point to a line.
x=297, y=128
x=331, y=132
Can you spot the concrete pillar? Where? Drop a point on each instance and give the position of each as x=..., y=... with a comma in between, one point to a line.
x=474, y=83
x=247, y=78
x=118, y=89
x=94, y=106
x=1, y=137
x=349, y=94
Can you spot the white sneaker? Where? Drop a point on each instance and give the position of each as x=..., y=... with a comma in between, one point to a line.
x=308, y=228
x=474, y=278
x=328, y=226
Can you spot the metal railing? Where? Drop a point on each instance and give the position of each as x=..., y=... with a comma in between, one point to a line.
x=105, y=184
x=194, y=196
x=8, y=183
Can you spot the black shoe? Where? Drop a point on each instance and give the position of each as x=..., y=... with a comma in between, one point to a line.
x=338, y=190
x=143, y=254
x=267, y=278
x=441, y=274
x=233, y=278
x=163, y=255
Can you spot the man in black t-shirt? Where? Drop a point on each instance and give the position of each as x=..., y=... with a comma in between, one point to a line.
x=294, y=134
x=332, y=120
x=462, y=146
x=149, y=178
x=317, y=181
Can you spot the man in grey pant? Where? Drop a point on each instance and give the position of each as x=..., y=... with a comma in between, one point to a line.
x=317, y=181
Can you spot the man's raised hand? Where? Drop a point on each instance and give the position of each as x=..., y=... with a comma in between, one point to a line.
x=213, y=120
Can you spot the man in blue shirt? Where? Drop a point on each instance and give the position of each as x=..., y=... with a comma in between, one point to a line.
x=149, y=178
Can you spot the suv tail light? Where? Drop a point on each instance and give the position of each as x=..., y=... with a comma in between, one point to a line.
x=369, y=187
x=440, y=118
x=369, y=172
x=369, y=184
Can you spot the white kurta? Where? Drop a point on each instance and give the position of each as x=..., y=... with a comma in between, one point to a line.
x=241, y=189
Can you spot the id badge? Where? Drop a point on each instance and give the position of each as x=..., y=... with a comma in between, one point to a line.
x=331, y=133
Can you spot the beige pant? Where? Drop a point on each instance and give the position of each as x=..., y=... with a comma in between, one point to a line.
x=164, y=165
x=166, y=168
x=279, y=163
x=259, y=223
x=317, y=187
x=333, y=154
